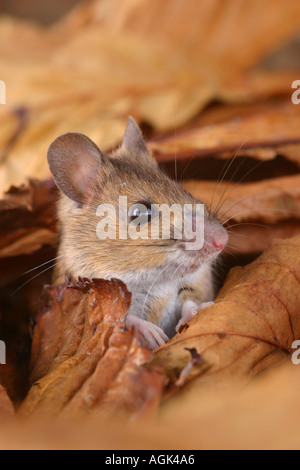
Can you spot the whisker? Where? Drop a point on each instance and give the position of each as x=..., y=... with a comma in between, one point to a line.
x=239, y=202
x=226, y=253
x=32, y=279
x=231, y=232
x=246, y=223
x=251, y=210
x=223, y=171
x=236, y=245
x=41, y=265
x=155, y=280
x=226, y=172
x=241, y=180
x=186, y=167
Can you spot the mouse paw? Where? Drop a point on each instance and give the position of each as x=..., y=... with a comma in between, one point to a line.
x=189, y=310
x=151, y=335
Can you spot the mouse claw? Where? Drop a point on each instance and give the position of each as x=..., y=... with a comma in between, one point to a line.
x=189, y=310
x=151, y=335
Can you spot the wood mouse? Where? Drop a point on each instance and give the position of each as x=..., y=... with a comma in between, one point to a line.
x=169, y=282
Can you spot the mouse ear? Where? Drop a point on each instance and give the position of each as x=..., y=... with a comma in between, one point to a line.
x=133, y=138
x=74, y=161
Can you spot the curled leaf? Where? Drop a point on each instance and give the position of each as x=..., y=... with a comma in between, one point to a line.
x=82, y=358
x=28, y=218
x=6, y=406
x=263, y=133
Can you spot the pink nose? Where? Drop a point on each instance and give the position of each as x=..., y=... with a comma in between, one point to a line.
x=219, y=241
x=219, y=245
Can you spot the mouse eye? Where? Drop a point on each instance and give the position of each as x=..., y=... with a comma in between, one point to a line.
x=140, y=212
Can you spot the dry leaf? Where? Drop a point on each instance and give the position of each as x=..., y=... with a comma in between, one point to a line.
x=84, y=361
x=271, y=200
x=6, y=406
x=257, y=86
x=28, y=219
x=263, y=416
x=219, y=31
x=264, y=134
x=251, y=326
x=141, y=61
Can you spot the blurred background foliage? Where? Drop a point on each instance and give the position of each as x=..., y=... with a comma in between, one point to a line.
x=43, y=12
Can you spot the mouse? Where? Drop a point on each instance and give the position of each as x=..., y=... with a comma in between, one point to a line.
x=170, y=278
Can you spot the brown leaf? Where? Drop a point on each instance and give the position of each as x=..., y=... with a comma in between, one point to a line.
x=83, y=360
x=265, y=415
x=251, y=326
x=6, y=406
x=221, y=30
x=271, y=200
x=257, y=86
x=152, y=65
x=263, y=134
x=28, y=219
x=254, y=239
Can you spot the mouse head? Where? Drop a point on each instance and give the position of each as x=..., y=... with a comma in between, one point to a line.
x=124, y=195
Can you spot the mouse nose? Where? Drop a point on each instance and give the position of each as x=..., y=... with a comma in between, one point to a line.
x=218, y=245
x=219, y=241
